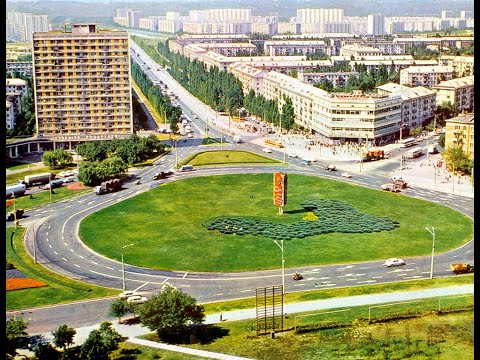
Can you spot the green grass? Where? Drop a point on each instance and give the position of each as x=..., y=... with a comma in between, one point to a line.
x=226, y=157
x=59, y=290
x=43, y=198
x=13, y=178
x=128, y=350
x=15, y=165
x=166, y=225
x=426, y=337
x=296, y=297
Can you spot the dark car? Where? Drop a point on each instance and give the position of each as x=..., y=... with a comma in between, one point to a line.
x=11, y=215
x=162, y=175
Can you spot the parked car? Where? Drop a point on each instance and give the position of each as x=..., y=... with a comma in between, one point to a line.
x=347, y=175
x=267, y=150
x=54, y=184
x=306, y=162
x=292, y=155
x=189, y=135
x=69, y=179
x=126, y=294
x=137, y=299
x=394, y=262
x=66, y=173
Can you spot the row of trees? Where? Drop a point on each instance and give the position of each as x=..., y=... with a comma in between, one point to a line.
x=98, y=345
x=160, y=103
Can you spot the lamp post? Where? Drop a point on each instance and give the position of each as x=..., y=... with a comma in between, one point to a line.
x=283, y=265
x=123, y=268
x=433, y=249
x=14, y=209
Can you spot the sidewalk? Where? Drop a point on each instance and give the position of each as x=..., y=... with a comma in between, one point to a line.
x=133, y=331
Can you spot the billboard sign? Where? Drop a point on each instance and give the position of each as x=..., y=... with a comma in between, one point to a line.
x=279, y=189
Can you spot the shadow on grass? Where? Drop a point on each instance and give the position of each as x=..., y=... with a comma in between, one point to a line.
x=128, y=354
x=298, y=211
x=201, y=334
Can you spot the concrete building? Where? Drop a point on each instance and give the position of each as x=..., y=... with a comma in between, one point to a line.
x=376, y=24
x=458, y=92
x=177, y=45
x=250, y=77
x=418, y=103
x=359, y=51
x=296, y=47
x=10, y=116
x=19, y=85
x=21, y=67
x=425, y=75
x=462, y=65
x=338, y=79
x=82, y=84
x=459, y=131
x=289, y=28
x=385, y=46
x=23, y=25
x=197, y=51
x=15, y=98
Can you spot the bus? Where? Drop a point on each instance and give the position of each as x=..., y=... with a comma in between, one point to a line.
x=274, y=143
x=413, y=153
x=408, y=142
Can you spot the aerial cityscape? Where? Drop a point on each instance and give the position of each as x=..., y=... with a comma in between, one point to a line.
x=239, y=179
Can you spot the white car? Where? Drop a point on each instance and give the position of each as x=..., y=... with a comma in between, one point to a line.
x=69, y=179
x=190, y=135
x=65, y=173
x=267, y=150
x=292, y=155
x=136, y=299
x=347, y=175
x=394, y=262
x=127, y=294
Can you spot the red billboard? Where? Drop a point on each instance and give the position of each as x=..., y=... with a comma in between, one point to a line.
x=279, y=189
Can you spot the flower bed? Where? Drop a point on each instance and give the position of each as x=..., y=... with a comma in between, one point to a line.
x=23, y=283
x=77, y=186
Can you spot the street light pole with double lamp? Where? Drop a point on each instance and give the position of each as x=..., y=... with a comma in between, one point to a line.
x=124, y=287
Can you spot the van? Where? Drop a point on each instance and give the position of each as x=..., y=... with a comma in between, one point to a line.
x=186, y=168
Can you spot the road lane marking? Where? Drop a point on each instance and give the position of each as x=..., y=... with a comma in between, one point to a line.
x=50, y=246
x=46, y=234
x=413, y=277
x=72, y=250
x=76, y=265
x=366, y=281
x=65, y=243
x=299, y=284
x=47, y=239
x=377, y=277
x=111, y=268
x=81, y=256
x=184, y=276
x=93, y=262
x=64, y=259
x=185, y=285
x=248, y=290
x=56, y=253
x=218, y=294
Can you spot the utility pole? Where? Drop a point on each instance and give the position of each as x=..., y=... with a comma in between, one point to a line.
x=283, y=265
x=433, y=249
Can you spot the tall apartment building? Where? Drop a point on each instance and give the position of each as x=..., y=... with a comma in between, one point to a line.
x=458, y=92
x=82, y=84
x=21, y=26
x=376, y=24
x=459, y=131
x=316, y=20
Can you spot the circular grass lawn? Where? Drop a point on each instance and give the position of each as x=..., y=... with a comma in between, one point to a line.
x=167, y=225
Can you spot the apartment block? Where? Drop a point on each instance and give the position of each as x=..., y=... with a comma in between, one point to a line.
x=21, y=67
x=296, y=47
x=197, y=51
x=359, y=51
x=9, y=116
x=425, y=75
x=18, y=85
x=336, y=78
x=458, y=92
x=250, y=77
x=82, y=84
x=376, y=24
x=459, y=131
x=22, y=25
x=462, y=65
x=418, y=103
x=385, y=46
x=187, y=39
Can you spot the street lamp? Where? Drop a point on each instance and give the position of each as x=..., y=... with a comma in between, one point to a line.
x=283, y=265
x=433, y=249
x=14, y=209
x=123, y=268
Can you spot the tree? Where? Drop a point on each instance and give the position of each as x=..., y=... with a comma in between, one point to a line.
x=170, y=311
x=416, y=131
x=100, y=343
x=63, y=336
x=57, y=158
x=16, y=336
x=119, y=308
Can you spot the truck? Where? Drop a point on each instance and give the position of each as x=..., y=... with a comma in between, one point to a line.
x=237, y=139
x=16, y=190
x=390, y=187
x=39, y=179
x=432, y=149
x=108, y=186
x=162, y=175
x=373, y=155
x=461, y=268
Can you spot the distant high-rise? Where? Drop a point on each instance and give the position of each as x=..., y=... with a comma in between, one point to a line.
x=376, y=24
x=82, y=83
x=466, y=14
x=446, y=14
x=21, y=26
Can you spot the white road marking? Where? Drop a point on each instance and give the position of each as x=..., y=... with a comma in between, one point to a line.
x=109, y=267
x=366, y=281
x=377, y=277
x=184, y=276
x=185, y=285
x=72, y=250
x=50, y=246
x=325, y=285
x=76, y=265
x=46, y=234
x=299, y=284
x=81, y=256
x=413, y=277
x=47, y=239
x=90, y=203
x=65, y=244
x=64, y=259
x=218, y=294
x=94, y=262
x=55, y=252
x=248, y=290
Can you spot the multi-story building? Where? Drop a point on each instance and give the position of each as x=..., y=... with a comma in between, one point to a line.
x=296, y=47
x=359, y=51
x=459, y=131
x=289, y=28
x=15, y=98
x=197, y=51
x=418, y=103
x=82, y=84
x=177, y=45
x=458, y=92
x=336, y=78
x=385, y=46
x=19, y=85
x=425, y=75
x=250, y=77
x=376, y=24
x=21, y=67
x=311, y=20
x=10, y=116
x=462, y=65
x=23, y=25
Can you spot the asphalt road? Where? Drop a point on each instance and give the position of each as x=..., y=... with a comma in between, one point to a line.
x=58, y=247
